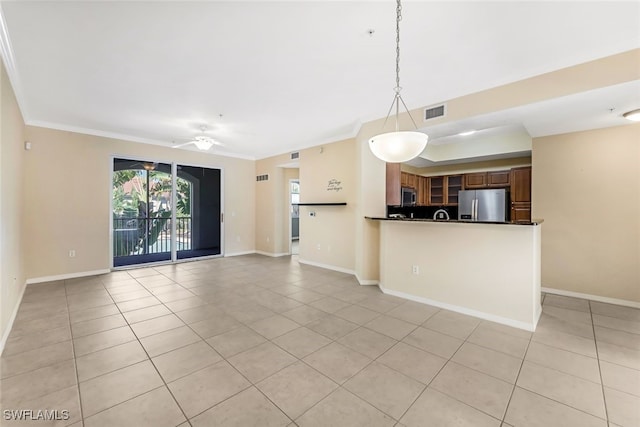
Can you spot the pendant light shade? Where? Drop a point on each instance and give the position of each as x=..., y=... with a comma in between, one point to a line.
x=398, y=147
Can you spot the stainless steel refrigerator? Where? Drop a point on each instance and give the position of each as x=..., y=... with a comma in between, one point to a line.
x=483, y=205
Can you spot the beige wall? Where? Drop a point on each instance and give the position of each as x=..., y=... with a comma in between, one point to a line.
x=12, y=254
x=271, y=208
x=328, y=238
x=586, y=186
x=67, y=198
x=486, y=270
x=371, y=175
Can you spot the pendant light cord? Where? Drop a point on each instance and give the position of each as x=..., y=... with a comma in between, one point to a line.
x=397, y=99
x=398, y=19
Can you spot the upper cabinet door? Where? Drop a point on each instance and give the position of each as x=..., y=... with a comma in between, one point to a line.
x=423, y=190
x=475, y=180
x=437, y=191
x=521, y=184
x=498, y=179
x=408, y=180
x=454, y=185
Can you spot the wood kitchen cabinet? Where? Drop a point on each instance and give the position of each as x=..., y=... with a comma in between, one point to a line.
x=393, y=184
x=443, y=190
x=423, y=190
x=499, y=179
x=475, y=180
x=437, y=190
x=521, y=194
x=454, y=184
x=494, y=179
x=408, y=180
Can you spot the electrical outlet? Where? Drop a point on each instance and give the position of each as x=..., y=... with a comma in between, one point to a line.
x=415, y=270
x=267, y=240
x=318, y=247
x=329, y=248
x=72, y=253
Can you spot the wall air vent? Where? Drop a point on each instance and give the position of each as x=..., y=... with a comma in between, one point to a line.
x=295, y=156
x=435, y=112
x=264, y=177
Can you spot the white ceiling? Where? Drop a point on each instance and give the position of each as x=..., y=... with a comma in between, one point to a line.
x=287, y=75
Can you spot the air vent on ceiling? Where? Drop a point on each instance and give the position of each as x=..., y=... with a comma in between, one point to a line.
x=264, y=177
x=295, y=156
x=435, y=112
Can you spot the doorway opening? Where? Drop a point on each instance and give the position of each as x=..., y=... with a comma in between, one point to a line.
x=294, y=199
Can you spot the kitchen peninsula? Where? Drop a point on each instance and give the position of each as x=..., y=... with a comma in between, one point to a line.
x=487, y=270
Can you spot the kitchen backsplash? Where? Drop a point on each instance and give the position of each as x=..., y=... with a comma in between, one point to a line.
x=422, y=211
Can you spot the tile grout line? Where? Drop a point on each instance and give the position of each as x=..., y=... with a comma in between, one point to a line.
x=595, y=342
x=148, y=358
x=252, y=384
x=565, y=373
x=75, y=362
x=339, y=386
x=440, y=370
x=207, y=343
x=515, y=381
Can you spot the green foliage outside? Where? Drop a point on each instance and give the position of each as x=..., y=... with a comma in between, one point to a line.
x=137, y=227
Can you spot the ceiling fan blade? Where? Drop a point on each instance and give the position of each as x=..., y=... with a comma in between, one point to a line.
x=182, y=145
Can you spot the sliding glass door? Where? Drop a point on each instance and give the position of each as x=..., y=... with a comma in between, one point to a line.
x=199, y=220
x=149, y=227
x=142, y=210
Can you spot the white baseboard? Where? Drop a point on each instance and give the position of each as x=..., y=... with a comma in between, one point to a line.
x=366, y=282
x=7, y=331
x=463, y=310
x=66, y=276
x=240, y=253
x=597, y=298
x=272, y=254
x=327, y=266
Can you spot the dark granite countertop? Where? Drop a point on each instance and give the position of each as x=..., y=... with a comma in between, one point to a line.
x=457, y=221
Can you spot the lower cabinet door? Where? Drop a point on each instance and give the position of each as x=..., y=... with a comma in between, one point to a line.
x=521, y=212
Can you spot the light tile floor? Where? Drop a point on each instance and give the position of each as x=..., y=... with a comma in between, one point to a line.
x=260, y=341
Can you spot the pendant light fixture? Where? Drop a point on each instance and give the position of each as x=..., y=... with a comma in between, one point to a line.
x=398, y=146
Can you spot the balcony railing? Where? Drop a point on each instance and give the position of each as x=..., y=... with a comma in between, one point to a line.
x=144, y=236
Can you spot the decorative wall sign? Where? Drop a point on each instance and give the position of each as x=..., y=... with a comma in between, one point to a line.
x=334, y=185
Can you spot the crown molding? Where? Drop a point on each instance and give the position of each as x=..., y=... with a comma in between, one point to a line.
x=126, y=138
x=6, y=51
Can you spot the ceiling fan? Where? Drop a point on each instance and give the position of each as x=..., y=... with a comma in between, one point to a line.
x=202, y=142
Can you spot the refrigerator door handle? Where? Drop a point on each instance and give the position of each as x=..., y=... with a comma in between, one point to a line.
x=475, y=212
x=473, y=209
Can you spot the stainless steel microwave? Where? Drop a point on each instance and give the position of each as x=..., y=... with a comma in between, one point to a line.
x=408, y=196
